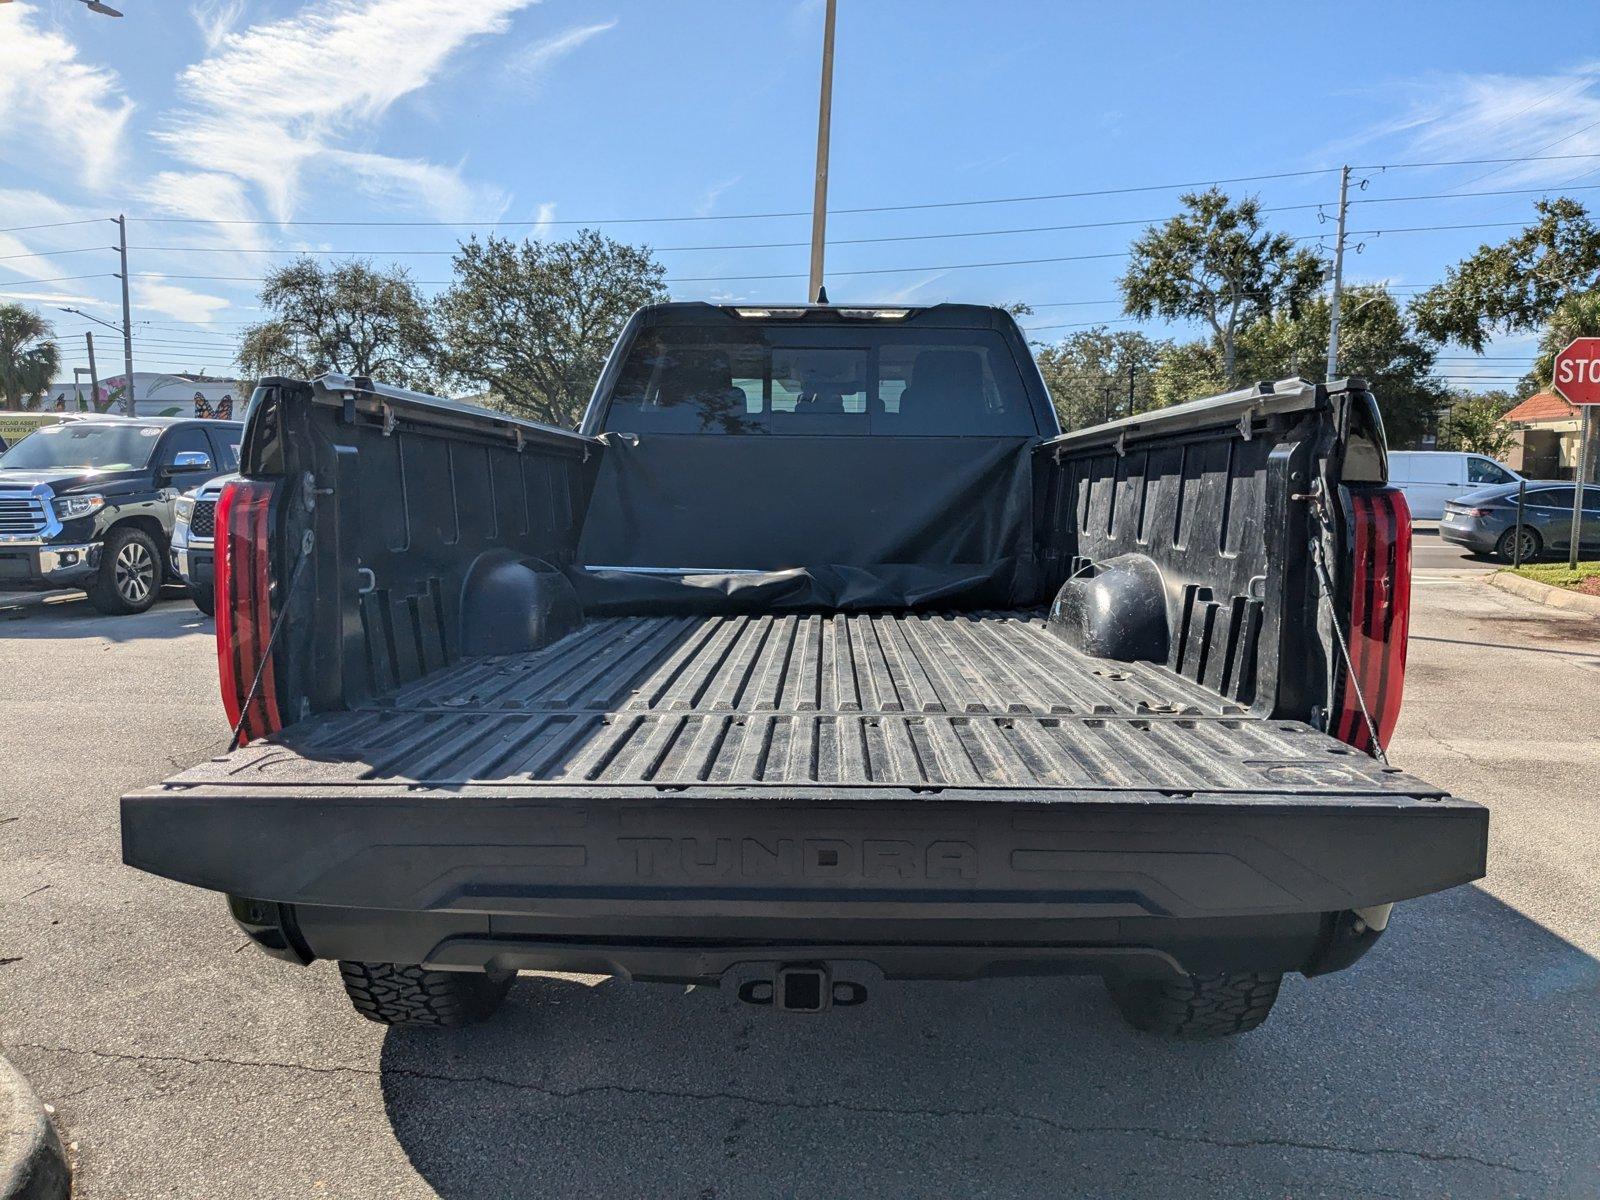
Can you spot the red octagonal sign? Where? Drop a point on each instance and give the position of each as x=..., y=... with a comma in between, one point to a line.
x=1577, y=371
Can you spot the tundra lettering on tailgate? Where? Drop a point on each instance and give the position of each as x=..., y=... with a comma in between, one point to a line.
x=799, y=858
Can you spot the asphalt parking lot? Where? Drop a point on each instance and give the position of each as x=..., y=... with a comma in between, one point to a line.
x=1459, y=1058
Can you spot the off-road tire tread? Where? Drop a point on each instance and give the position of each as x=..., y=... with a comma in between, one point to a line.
x=1212, y=1005
x=397, y=994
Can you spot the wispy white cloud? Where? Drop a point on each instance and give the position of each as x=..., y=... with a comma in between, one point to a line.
x=58, y=114
x=176, y=301
x=545, y=227
x=910, y=291
x=708, y=198
x=276, y=100
x=529, y=64
x=216, y=19
x=1466, y=116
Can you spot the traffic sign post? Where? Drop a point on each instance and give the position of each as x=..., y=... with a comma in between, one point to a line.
x=1576, y=379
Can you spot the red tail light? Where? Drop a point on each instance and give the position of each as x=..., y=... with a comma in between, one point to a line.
x=244, y=609
x=1380, y=611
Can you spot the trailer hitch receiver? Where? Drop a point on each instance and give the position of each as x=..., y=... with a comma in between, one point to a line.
x=802, y=988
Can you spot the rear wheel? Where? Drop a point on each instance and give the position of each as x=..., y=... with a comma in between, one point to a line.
x=1532, y=545
x=1211, y=1005
x=129, y=578
x=395, y=994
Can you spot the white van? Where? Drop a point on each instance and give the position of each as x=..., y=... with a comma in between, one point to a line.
x=1431, y=479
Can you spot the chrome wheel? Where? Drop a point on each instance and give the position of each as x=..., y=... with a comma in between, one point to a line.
x=135, y=573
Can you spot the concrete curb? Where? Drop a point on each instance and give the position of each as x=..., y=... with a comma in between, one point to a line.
x=32, y=1164
x=1544, y=593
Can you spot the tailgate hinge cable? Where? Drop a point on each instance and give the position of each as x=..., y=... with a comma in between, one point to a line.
x=306, y=543
x=1318, y=499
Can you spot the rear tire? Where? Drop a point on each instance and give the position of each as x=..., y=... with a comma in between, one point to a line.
x=129, y=577
x=396, y=994
x=1218, y=1004
x=1532, y=545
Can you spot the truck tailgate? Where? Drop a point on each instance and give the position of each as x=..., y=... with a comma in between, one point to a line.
x=811, y=766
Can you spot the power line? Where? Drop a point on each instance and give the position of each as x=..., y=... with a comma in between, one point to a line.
x=1563, y=187
x=1550, y=145
x=877, y=208
x=914, y=237
x=1016, y=262
x=919, y=237
x=1465, y=162
x=53, y=253
x=27, y=283
x=53, y=225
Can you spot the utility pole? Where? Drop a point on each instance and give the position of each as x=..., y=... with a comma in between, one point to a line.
x=1130, y=389
x=819, y=200
x=1338, y=275
x=94, y=374
x=127, y=314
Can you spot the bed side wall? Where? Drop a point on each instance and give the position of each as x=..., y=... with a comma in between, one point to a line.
x=1214, y=511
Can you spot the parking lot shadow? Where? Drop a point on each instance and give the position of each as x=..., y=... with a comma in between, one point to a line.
x=173, y=616
x=1460, y=1058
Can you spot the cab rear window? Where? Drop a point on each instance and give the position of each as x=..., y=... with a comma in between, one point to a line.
x=902, y=382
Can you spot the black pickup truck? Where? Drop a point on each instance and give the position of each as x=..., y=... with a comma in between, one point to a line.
x=817, y=656
x=89, y=503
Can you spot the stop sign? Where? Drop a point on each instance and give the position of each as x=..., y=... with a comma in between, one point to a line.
x=1577, y=371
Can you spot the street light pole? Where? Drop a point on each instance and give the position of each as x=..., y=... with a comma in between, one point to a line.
x=819, y=200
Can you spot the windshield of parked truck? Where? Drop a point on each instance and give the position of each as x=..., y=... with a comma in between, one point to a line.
x=821, y=380
x=83, y=445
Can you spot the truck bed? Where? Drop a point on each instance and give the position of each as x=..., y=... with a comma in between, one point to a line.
x=987, y=702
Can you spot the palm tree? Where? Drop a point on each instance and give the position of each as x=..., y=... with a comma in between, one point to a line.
x=1576, y=316
x=28, y=358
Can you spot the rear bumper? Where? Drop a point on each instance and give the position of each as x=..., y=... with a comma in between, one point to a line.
x=680, y=885
x=1481, y=540
x=48, y=564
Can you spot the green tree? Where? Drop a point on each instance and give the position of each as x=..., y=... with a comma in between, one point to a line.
x=1576, y=316
x=1477, y=425
x=1376, y=342
x=28, y=356
x=1088, y=374
x=1515, y=286
x=1217, y=264
x=532, y=322
x=1189, y=371
x=351, y=318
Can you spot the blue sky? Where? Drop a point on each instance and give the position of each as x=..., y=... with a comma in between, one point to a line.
x=584, y=111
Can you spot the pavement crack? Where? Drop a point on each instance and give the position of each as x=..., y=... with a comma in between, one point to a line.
x=582, y=1091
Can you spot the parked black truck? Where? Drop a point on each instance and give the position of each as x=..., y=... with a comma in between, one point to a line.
x=816, y=656
x=89, y=503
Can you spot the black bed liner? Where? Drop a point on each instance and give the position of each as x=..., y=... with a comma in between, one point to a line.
x=987, y=702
